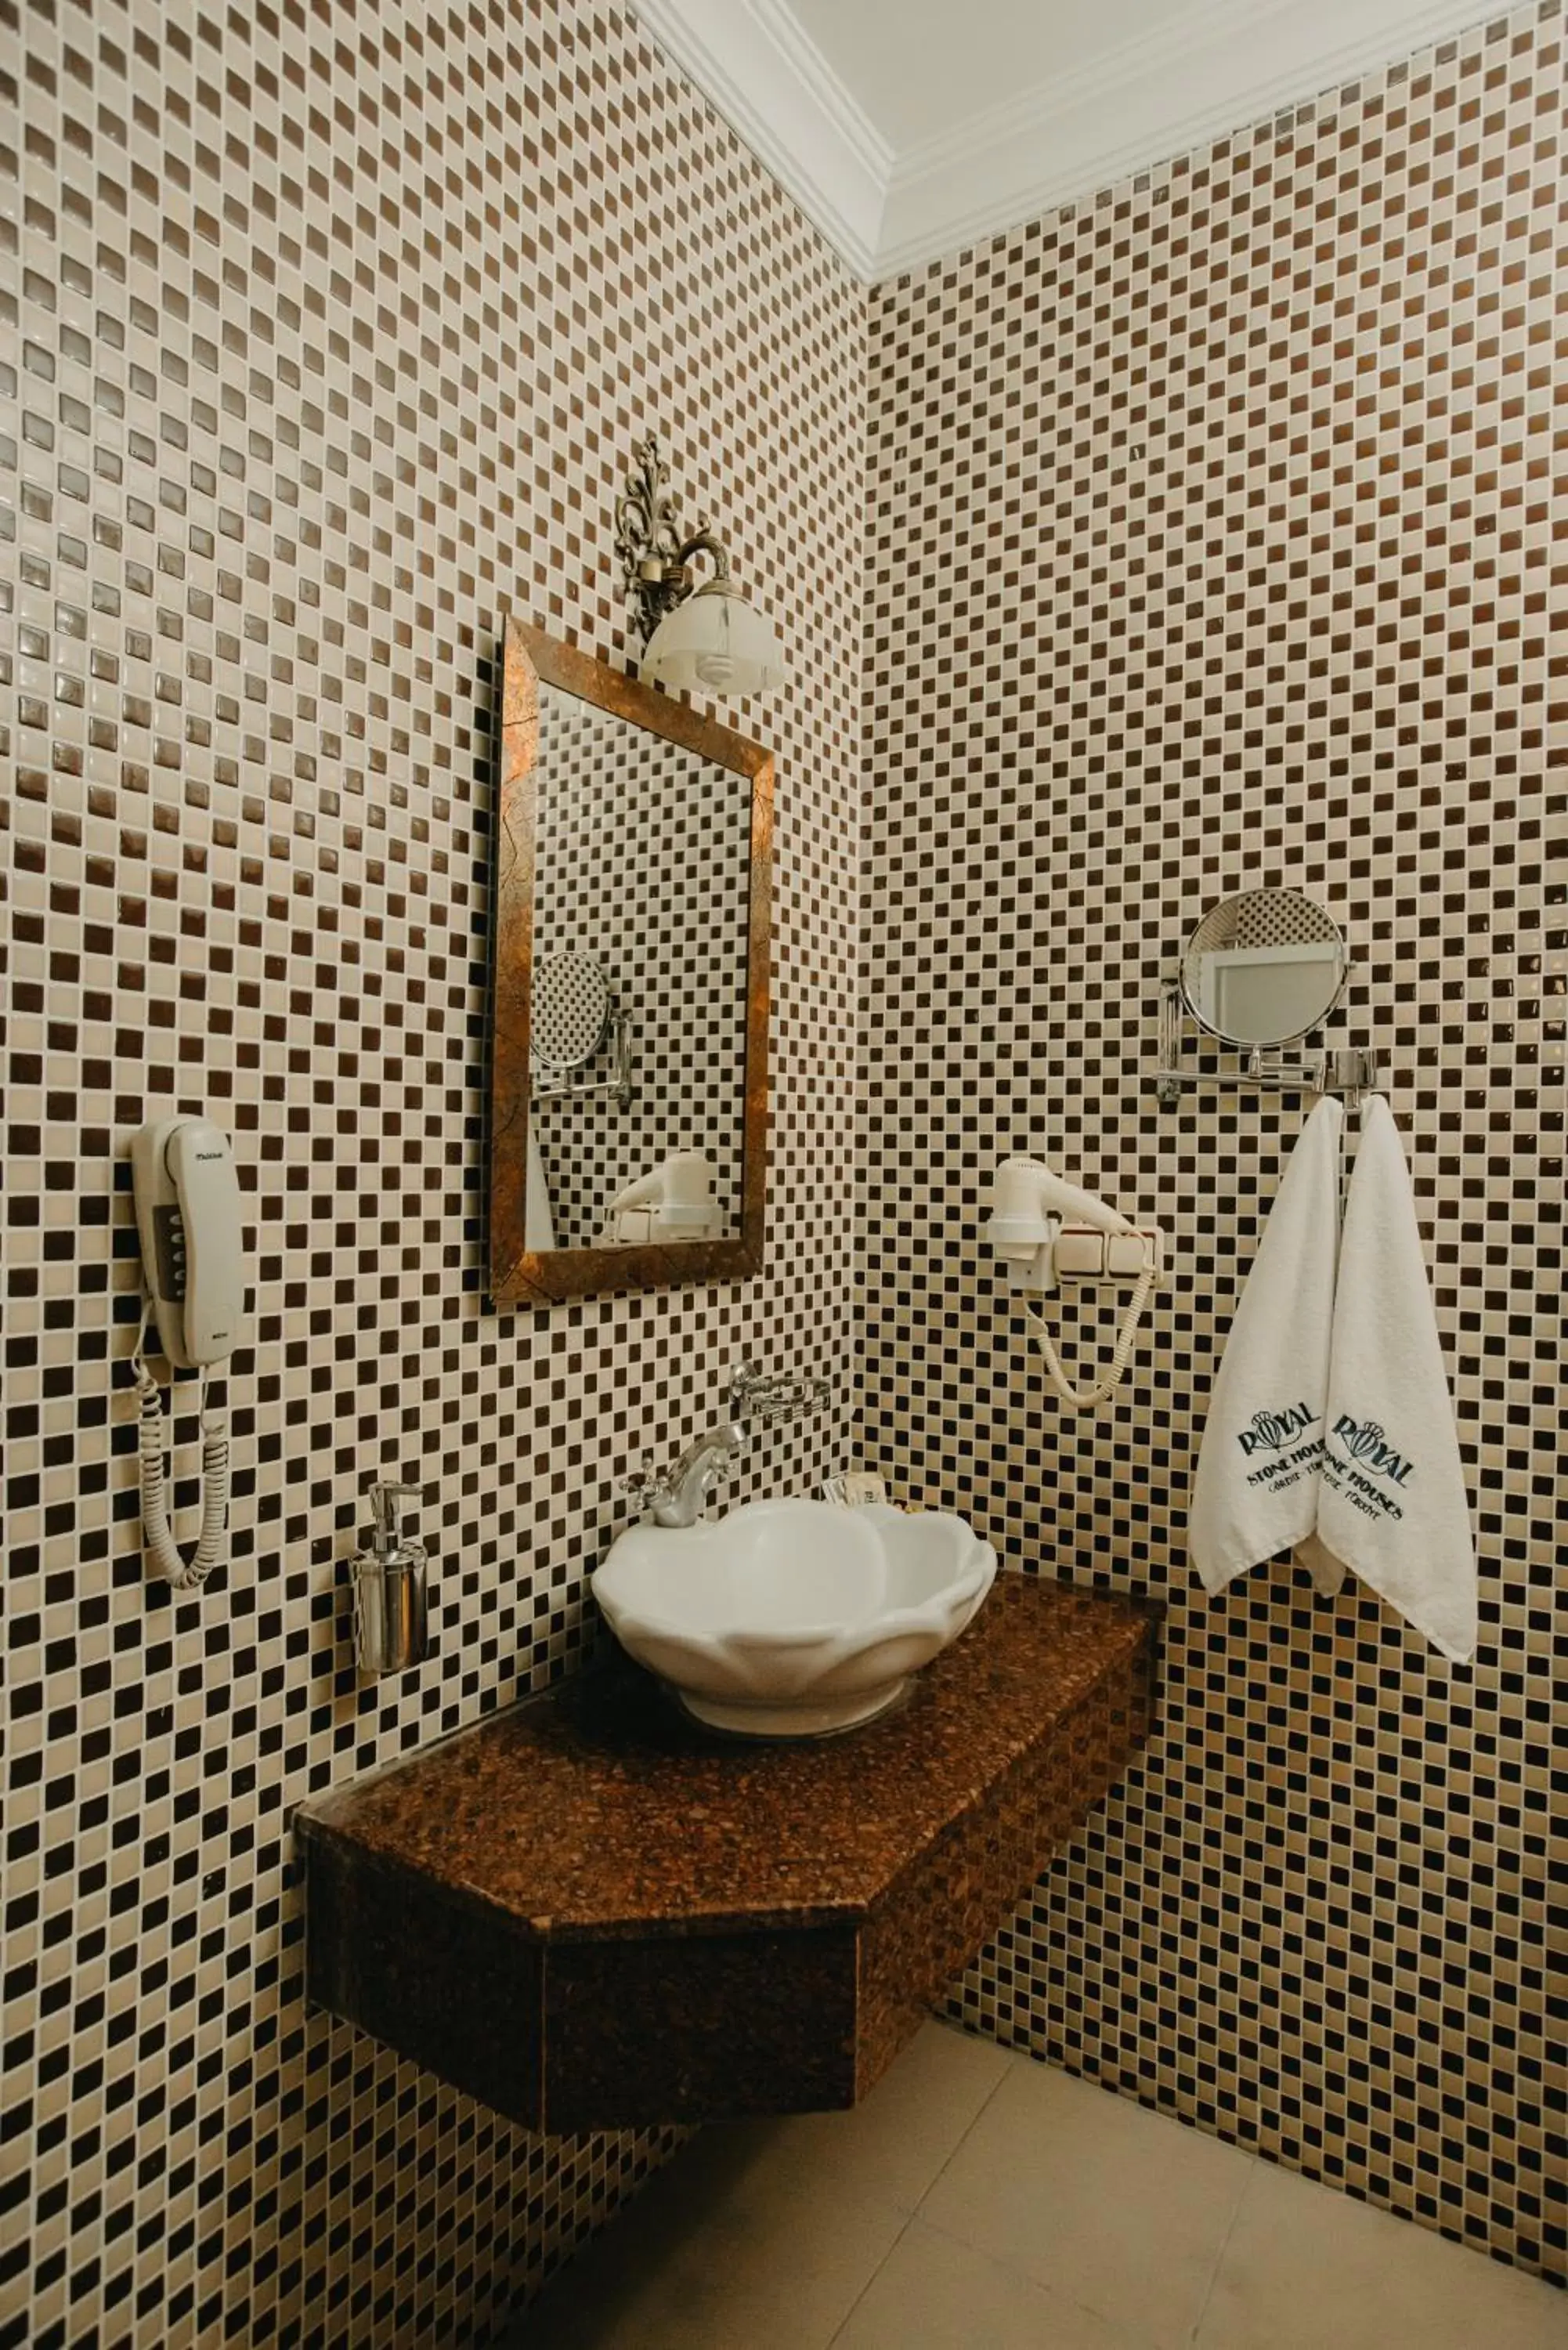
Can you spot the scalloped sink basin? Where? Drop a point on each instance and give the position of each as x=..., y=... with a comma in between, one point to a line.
x=793, y=1619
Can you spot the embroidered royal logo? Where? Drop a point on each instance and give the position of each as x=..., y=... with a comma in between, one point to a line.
x=1274, y=1429
x=1366, y=1444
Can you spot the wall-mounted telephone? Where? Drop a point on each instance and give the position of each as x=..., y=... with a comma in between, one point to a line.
x=189, y=1220
x=1047, y=1230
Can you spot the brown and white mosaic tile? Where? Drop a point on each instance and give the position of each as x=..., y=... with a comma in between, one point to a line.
x=327, y=335
x=1218, y=533
x=1213, y=535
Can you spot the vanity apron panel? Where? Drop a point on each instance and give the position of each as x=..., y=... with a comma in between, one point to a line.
x=590, y=1914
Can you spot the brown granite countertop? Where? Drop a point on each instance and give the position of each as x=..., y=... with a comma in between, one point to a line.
x=600, y=1810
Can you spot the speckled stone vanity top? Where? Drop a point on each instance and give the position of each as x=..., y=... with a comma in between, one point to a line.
x=592, y=1913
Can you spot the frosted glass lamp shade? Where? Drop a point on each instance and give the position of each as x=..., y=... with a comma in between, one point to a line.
x=714, y=642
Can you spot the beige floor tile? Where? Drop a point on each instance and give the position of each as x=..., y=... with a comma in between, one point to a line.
x=932, y=2293
x=1117, y=2208
x=1065, y=2220
x=896, y=2143
x=744, y=2241
x=1305, y=2267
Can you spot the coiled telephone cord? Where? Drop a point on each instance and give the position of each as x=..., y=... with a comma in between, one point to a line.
x=162, y=1548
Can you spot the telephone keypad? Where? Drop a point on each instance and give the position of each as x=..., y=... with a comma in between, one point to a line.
x=169, y=1234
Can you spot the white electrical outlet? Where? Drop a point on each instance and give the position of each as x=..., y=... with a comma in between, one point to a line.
x=1082, y=1254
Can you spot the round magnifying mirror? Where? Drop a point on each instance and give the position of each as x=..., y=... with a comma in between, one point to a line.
x=1263, y=968
x=569, y=1010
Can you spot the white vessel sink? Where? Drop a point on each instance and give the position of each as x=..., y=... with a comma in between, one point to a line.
x=791, y=1620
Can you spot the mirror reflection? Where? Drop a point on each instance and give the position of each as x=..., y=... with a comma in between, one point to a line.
x=1263, y=968
x=638, y=990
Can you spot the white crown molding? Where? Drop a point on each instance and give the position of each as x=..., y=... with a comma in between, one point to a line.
x=1217, y=66
x=769, y=79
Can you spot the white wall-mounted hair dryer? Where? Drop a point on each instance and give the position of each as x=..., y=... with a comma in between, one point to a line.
x=673, y=1201
x=1029, y=1205
x=1046, y=1230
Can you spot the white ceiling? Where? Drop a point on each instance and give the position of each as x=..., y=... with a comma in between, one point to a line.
x=908, y=128
x=918, y=67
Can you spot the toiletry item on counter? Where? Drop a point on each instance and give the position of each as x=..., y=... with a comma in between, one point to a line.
x=855, y=1489
x=673, y=1201
x=1256, y=1491
x=1393, y=1504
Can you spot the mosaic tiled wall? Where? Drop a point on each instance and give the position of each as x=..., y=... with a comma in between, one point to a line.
x=643, y=865
x=1216, y=538
x=327, y=333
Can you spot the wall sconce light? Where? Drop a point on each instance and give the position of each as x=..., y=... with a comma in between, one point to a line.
x=698, y=637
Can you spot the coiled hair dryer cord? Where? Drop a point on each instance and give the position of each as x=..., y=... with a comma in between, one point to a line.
x=1089, y=1398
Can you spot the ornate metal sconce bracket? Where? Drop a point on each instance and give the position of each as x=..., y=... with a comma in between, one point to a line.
x=655, y=553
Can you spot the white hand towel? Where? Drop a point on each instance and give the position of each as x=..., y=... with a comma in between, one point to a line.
x=1393, y=1504
x=1256, y=1489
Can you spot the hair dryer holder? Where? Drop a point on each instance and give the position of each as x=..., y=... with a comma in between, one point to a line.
x=1073, y=1252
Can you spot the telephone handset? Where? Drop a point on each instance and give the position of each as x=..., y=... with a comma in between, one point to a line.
x=1047, y=1230
x=188, y=1218
x=187, y=1214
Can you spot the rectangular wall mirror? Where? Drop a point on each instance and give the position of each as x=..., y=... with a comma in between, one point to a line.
x=629, y=1005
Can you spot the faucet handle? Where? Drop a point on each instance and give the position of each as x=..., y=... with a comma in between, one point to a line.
x=640, y=1484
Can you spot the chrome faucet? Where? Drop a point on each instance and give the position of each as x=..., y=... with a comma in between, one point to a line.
x=680, y=1496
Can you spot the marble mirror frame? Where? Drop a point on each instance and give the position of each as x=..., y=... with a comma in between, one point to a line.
x=519, y=1275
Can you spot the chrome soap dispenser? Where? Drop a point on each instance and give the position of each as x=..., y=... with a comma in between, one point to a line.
x=392, y=1588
